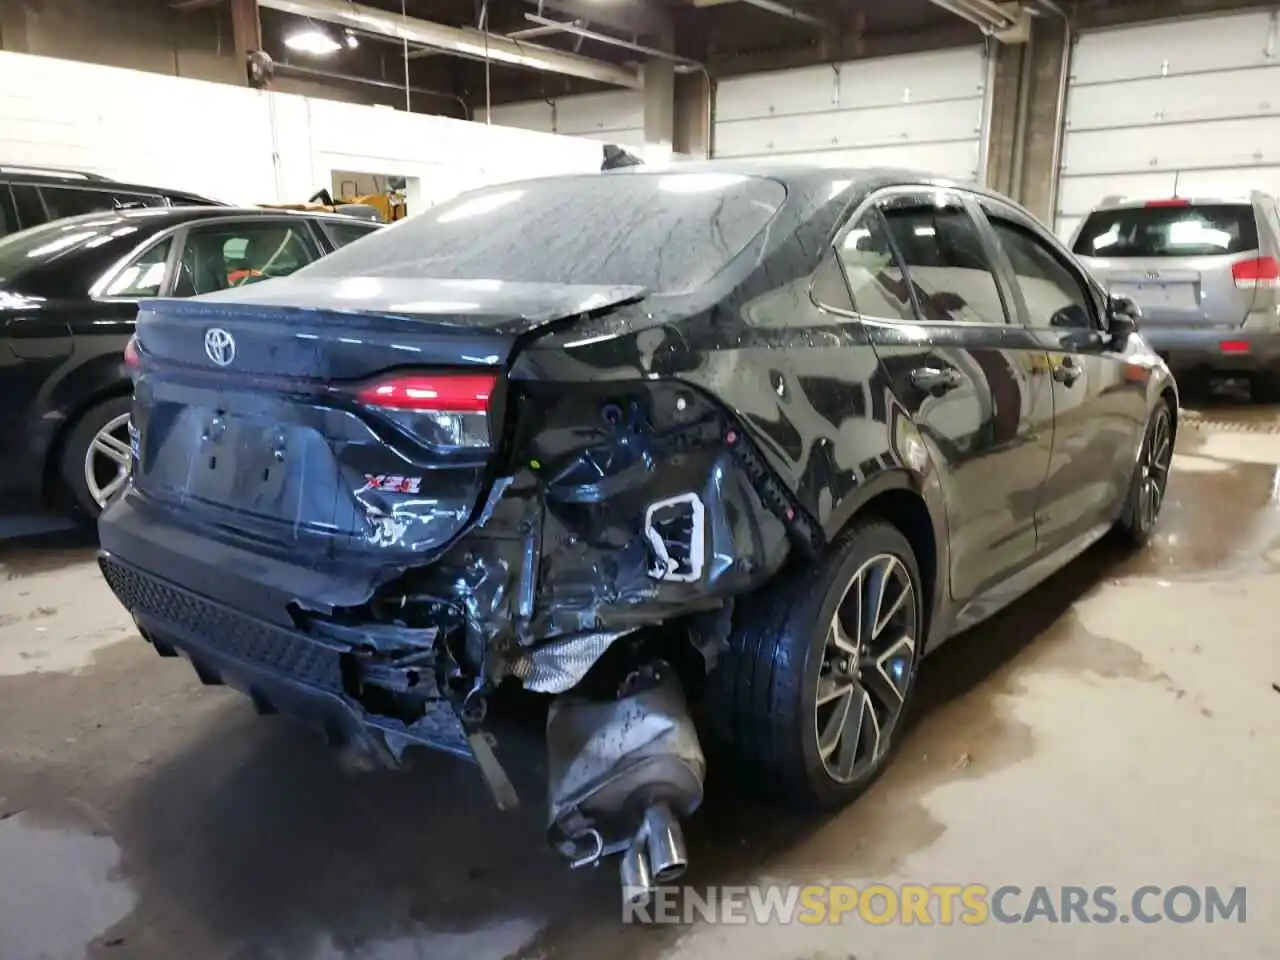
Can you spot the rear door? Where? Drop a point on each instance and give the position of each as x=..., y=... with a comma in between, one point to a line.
x=922, y=280
x=1188, y=265
x=1099, y=399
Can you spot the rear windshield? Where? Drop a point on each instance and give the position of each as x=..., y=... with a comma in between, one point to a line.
x=668, y=232
x=1201, y=230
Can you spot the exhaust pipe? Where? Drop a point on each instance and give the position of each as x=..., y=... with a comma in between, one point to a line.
x=637, y=880
x=664, y=843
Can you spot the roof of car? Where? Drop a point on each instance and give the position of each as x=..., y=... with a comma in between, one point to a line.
x=50, y=176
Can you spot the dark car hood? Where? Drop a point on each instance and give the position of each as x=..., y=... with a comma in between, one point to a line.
x=513, y=308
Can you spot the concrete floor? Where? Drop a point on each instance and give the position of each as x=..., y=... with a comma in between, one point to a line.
x=1119, y=726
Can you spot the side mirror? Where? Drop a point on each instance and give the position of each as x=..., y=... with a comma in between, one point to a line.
x=1124, y=316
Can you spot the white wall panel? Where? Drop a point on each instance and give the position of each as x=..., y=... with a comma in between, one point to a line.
x=920, y=110
x=1193, y=102
x=250, y=146
x=612, y=116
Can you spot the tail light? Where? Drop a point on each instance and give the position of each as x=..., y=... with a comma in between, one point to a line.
x=1171, y=202
x=1259, y=272
x=132, y=360
x=446, y=410
x=1234, y=346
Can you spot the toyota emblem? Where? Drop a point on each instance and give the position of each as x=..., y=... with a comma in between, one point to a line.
x=220, y=346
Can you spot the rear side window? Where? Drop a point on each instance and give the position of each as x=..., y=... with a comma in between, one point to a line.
x=343, y=233
x=945, y=259
x=668, y=232
x=73, y=201
x=1200, y=230
x=26, y=201
x=232, y=255
x=876, y=281
x=8, y=214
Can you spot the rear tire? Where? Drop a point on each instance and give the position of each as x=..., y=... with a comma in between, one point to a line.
x=95, y=458
x=811, y=694
x=1150, y=479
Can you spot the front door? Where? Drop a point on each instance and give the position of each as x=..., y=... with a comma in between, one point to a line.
x=1099, y=399
x=922, y=281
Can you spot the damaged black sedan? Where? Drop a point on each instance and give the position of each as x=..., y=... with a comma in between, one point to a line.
x=754, y=441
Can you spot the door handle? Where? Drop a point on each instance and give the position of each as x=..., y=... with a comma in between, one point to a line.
x=936, y=380
x=1066, y=373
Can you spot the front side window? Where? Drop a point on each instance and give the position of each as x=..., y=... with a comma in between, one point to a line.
x=1054, y=297
x=946, y=263
x=1169, y=229
x=144, y=277
x=668, y=232
x=222, y=256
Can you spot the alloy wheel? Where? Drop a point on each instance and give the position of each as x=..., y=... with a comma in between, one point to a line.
x=107, y=461
x=1156, y=461
x=867, y=665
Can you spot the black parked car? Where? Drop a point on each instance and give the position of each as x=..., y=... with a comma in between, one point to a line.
x=30, y=196
x=765, y=439
x=69, y=293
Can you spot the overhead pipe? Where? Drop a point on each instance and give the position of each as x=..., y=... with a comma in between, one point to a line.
x=986, y=15
x=528, y=33
x=784, y=10
x=573, y=28
x=310, y=73
x=1060, y=119
x=461, y=41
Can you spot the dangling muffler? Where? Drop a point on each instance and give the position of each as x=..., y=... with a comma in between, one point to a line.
x=622, y=775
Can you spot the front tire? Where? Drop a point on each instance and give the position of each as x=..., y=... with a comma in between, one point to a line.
x=820, y=671
x=96, y=457
x=1150, y=479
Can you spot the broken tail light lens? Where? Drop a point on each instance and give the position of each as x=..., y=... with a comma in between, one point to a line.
x=1258, y=272
x=446, y=410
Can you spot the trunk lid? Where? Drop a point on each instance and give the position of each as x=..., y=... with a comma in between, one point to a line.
x=331, y=417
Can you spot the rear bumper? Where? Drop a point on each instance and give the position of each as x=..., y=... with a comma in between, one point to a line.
x=280, y=668
x=1223, y=351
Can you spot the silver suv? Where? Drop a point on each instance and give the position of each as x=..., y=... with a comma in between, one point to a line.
x=1204, y=271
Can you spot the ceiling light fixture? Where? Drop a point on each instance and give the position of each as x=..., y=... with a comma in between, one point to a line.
x=312, y=41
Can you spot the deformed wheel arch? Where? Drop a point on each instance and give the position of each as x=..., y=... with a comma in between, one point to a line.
x=898, y=497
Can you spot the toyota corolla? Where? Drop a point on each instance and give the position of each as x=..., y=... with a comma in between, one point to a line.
x=761, y=437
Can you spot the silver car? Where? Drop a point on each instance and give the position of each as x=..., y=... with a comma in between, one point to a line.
x=1204, y=271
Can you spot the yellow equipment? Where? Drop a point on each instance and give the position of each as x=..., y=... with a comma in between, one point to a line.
x=386, y=207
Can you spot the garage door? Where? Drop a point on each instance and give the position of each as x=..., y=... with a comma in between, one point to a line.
x=1193, y=104
x=613, y=116
x=922, y=110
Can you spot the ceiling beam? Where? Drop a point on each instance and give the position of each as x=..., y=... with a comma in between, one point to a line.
x=460, y=41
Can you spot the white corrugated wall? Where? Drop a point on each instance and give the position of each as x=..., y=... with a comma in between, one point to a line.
x=923, y=111
x=1196, y=102
x=249, y=146
x=612, y=116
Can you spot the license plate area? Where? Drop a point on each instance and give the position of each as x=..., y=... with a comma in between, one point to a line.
x=259, y=467
x=1171, y=295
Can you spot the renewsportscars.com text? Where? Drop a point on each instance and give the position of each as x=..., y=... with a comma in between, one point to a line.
x=941, y=904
